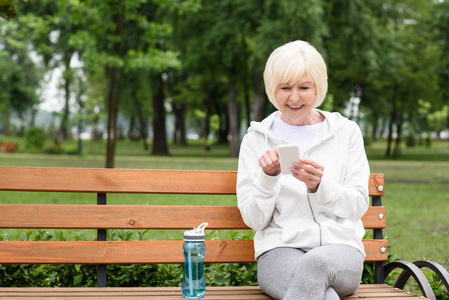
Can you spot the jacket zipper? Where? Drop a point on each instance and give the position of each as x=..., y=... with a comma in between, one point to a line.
x=314, y=219
x=308, y=199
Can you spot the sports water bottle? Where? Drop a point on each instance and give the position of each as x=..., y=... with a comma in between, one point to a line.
x=193, y=282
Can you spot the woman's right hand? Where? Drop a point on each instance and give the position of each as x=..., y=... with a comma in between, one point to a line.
x=269, y=162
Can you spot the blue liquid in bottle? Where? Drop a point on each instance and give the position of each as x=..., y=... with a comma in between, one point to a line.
x=194, y=249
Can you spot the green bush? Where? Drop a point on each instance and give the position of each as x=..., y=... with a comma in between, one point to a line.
x=54, y=148
x=35, y=137
x=441, y=293
x=236, y=274
x=367, y=140
x=411, y=141
x=71, y=150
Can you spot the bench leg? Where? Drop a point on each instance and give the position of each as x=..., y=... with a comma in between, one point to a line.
x=101, y=236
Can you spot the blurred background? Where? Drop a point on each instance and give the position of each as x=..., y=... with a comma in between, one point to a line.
x=164, y=72
x=174, y=84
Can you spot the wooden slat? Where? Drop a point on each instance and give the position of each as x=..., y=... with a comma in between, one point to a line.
x=139, y=252
x=365, y=291
x=116, y=181
x=121, y=252
x=30, y=216
x=376, y=184
x=375, y=218
x=234, y=293
x=129, y=181
x=119, y=216
x=373, y=250
x=380, y=292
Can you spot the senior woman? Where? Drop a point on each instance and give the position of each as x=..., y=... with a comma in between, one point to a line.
x=308, y=241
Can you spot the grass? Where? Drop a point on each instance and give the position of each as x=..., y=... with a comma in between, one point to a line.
x=417, y=203
x=416, y=194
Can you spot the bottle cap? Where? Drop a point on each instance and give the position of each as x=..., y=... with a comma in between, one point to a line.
x=195, y=235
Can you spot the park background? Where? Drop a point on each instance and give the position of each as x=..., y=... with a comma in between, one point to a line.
x=168, y=84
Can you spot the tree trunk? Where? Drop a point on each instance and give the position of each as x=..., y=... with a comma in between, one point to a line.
x=160, y=146
x=390, y=136
x=247, y=107
x=182, y=125
x=33, y=116
x=223, y=123
x=375, y=127
x=97, y=135
x=390, y=129
x=80, y=116
x=113, y=99
x=114, y=81
x=65, y=113
x=143, y=129
x=179, y=136
x=233, y=114
x=258, y=93
x=206, y=128
x=397, y=145
x=132, y=128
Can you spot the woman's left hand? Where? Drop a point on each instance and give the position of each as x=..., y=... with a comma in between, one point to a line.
x=308, y=171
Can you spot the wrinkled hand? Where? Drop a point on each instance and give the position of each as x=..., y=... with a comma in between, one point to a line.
x=308, y=171
x=269, y=162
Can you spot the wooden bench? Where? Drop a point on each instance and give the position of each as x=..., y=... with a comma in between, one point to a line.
x=102, y=217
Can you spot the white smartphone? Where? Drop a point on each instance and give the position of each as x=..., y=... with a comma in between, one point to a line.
x=288, y=155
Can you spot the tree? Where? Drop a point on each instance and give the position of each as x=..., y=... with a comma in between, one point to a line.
x=8, y=9
x=19, y=75
x=350, y=49
x=439, y=21
x=238, y=36
x=119, y=55
x=407, y=68
x=138, y=108
x=166, y=56
x=196, y=89
x=50, y=26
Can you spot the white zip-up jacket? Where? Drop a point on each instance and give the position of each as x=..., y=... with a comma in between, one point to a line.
x=281, y=210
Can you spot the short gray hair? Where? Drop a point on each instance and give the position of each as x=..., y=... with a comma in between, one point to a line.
x=288, y=63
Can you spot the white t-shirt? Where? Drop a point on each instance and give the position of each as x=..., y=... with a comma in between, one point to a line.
x=300, y=135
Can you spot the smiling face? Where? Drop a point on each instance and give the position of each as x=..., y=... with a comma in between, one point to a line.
x=296, y=102
x=287, y=65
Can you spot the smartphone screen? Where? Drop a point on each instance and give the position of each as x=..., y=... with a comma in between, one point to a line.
x=288, y=155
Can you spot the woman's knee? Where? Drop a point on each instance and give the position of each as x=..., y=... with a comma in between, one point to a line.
x=275, y=270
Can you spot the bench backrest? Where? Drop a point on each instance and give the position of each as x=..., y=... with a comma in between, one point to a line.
x=102, y=217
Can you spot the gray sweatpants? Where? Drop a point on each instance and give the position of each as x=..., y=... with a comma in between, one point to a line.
x=323, y=273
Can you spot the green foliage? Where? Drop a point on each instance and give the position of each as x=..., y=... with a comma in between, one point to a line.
x=235, y=274
x=35, y=137
x=438, y=120
x=8, y=10
x=118, y=275
x=391, y=54
x=437, y=285
x=367, y=140
x=54, y=148
x=411, y=140
x=428, y=141
x=19, y=76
